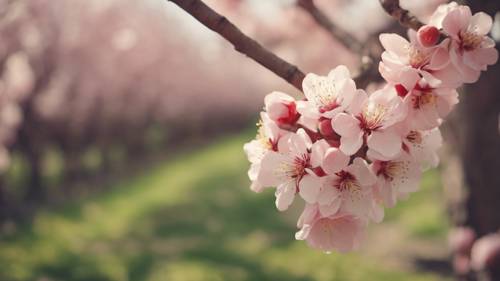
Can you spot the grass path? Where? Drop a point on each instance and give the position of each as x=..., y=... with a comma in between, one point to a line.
x=193, y=218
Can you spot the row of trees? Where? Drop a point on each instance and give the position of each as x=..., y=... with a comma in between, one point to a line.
x=109, y=79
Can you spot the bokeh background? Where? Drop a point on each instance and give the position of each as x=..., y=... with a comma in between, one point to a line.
x=121, y=131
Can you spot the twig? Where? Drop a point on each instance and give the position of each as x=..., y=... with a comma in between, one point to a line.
x=241, y=42
x=368, y=66
x=322, y=19
x=404, y=17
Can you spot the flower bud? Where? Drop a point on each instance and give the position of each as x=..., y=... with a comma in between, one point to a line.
x=281, y=108
x=428, y=35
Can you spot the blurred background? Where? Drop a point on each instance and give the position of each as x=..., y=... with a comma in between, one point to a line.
x=121, y=131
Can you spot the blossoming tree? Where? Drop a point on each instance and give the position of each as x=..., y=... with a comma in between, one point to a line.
x=348, y=152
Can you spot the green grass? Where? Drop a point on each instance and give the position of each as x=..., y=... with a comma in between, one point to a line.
x=193, y=218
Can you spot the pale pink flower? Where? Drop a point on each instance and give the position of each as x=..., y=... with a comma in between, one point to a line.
x=281, y=108
x=423, y=146
x=471, y=50
x=406, y=62
x=340, y=232
x=396, y=178
x=334, y=160
x=370, y=122
x=348, y=190
x=427, y=105
x=327, y=95
x=267, y=139
x=289, y=170
x=440, y=13
x=485, y=252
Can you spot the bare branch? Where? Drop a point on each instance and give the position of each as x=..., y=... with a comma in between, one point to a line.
x=241, y=42
x=322, y=19
x=404, y=17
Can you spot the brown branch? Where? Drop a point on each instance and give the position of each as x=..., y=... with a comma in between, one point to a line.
x=404, y=17
x=322, y=19
x=368, y=69
x=241, y=42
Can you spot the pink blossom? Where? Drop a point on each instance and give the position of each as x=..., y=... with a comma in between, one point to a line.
x=341, y=232
x=348, y=190
x=471, y=50
x=268, y=137
x=406, y=62
x=281, y=108
x=328, y=95
x=427, y=105
x=349, y=154
x=396, y=178
x=423, y=146
x=370, y=122
x=289, y=170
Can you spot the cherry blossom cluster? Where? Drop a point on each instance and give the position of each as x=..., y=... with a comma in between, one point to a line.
x=349, y=154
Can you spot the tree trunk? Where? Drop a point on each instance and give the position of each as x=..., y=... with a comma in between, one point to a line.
x=478, y=145
x=35, y=192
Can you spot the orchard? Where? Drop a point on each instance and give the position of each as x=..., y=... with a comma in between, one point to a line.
x=126, y=150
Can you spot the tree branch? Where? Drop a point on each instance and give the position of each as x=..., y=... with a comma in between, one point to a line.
x=241, y=42
x=404, y=17
x=368, y=66
x=322, y=19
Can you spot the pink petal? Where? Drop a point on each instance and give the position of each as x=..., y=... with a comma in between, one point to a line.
x=481, y=57
x=334, y=160
x=318, y=151
x=446, y=102
x=468, y=74
x=395, y=44
x=351, y=145
x=328, y=192
x=337, y=233
x=449, y=76
x=285, y=194
x=330, y=209
x=303, y=233
x=299, y=143
x=276, y=104
x=308, y=215
x=431, y=79
x=363, y=173
x=346, y=125
x=456, y=20
x=339, y=73
x=439, y=59
x=481, y=23
x=311, y=85
x=271, y=162
x=356, y=203
x=357, y=101
x=377, y=213
x=386, y=143
x=408, y=78
x=306, y=108
x=309, y=187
